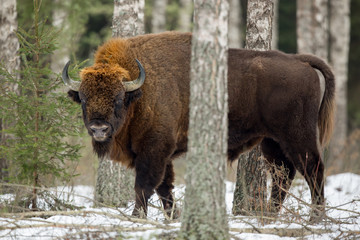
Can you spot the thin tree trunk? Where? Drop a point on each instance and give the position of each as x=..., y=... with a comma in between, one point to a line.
x=339, y=55
x=312, y=27
x=235, y=25
x=313, y=31
x=9, y=46
x=250, y=190
x=204, y=215
x=185, y=12
x=158, y=20
x=114, y=184
x=61, y=55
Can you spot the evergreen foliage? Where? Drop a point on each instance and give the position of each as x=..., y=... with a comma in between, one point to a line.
x=42, y=118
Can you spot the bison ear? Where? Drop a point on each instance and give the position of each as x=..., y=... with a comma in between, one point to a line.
x=74, y=95
x=132, y=96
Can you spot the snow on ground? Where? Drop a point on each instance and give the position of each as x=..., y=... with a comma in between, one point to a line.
x=342, y=193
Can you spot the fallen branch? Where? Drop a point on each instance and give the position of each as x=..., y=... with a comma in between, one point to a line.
x=123, y=216
x=283, y=232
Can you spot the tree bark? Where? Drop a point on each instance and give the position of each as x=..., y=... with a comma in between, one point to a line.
x=250, y=190
x=158, y=20
x=339, y=55
x=128, y=19
x=9, y=47
x=259, y=25
x=114, y=184
x=204, y=215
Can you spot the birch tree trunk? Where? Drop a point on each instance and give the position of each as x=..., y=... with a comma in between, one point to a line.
x=204, y=215
x=128, y=19
x=9, y=47
x=250, y=190
x=158, y=20
x=339, y=55
x=114, y=184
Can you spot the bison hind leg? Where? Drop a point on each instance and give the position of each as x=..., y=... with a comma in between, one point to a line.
x=314, y=176
x=308, y=162
x=282, y=173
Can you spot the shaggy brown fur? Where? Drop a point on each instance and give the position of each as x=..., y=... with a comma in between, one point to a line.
x=273, y=100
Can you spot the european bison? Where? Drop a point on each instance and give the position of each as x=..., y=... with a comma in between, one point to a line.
x=275, y=99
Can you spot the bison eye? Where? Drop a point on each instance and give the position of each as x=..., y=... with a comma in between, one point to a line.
x=82, y=98
x=118, y=102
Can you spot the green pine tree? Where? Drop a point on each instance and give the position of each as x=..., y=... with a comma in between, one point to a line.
x=42, y=117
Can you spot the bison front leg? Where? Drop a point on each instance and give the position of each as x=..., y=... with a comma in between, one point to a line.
x=148, y=177
x=164, y=190
x=282, y=173
x=150, y=168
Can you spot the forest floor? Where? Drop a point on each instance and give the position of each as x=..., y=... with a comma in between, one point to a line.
x=342, y=219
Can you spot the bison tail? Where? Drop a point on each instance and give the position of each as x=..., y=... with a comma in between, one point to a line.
x=327, y=107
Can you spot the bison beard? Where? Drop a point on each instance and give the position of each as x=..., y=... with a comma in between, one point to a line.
x=275, y=99
x=102, y=149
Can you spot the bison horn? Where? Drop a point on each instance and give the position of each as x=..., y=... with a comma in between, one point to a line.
x=67, y=80
x=137, y=83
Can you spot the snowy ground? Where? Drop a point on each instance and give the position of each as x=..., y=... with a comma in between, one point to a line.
x=342, y=222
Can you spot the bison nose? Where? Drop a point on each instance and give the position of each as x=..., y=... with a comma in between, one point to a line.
x=100, y=132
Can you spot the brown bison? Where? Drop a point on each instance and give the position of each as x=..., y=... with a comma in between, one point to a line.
x=135, y=102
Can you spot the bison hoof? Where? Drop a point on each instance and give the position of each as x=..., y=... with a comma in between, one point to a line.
x=317, y=215
x=173, y=214
x=139, y=213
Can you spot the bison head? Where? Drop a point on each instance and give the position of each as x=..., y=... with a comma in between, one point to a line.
x=105, y=95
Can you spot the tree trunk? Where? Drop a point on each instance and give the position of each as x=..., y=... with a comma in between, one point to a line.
x=339, y=55
x=259, y=25
x=235, y=25
x=185, y=13
x=312, y=27
x=250, y=190
x=158, y=20
x=9, y=46
x=275, y=26
x=314, y=36
x=62, y=53
x=114, y=184
x=204, y=215
x=128, y=19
